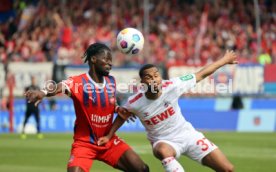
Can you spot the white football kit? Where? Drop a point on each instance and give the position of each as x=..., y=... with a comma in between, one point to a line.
x=164, y=122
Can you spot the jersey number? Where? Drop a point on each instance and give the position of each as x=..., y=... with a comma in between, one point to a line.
x=204, y=144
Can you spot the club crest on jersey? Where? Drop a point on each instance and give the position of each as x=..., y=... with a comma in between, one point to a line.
x=166, y=104
x=146, y=114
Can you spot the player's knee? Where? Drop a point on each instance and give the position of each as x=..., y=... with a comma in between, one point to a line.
x=145, y=168
x=162, y=151
x=142, y=168
x=228, y=168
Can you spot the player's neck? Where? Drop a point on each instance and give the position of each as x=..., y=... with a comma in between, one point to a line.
x=153, y=96
x=96, y=77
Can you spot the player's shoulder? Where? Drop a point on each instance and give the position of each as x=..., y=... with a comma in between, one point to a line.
x=78, y=77
x=135, y=98
x=111, y=78
x=167, y=83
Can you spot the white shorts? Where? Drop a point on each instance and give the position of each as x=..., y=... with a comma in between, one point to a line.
x=194, y=145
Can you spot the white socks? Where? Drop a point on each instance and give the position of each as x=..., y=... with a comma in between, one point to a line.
x=170, y=164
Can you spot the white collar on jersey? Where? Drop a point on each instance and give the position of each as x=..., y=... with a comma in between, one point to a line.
x=95, y=83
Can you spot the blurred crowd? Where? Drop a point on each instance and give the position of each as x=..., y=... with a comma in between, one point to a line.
x=190, y=32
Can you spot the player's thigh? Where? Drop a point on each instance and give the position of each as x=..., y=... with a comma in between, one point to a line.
x=81, y=158
x=164, y=149
x=36, y=114
x=79, y=164
x=197, y=146
x=121, y=156
x=217, y=161
x=28, y=113
x=130, y=161
x=75, y=169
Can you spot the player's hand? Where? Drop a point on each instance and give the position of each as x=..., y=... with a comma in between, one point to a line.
x=124, y=113
x=230, y=57
x=103, y=140
x=34, y=96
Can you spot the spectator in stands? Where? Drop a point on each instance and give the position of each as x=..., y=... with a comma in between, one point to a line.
x=174, y=28
x=264, y=59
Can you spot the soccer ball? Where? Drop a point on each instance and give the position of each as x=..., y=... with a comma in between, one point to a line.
x=130, y=41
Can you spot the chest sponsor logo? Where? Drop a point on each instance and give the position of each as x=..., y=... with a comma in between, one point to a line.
x=145, y=114
x=160, y=117
x=101, y=118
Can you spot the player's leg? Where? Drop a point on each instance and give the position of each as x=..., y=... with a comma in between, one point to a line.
x=130, y=161
x=37, y=120
x=202, y=150
x=81, y=158
x=166, y=153
x=122, y=157
x=27, y=116
x=75, y=169
x=218, y=161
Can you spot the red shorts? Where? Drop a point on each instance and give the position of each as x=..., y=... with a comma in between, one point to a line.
x=83, y=154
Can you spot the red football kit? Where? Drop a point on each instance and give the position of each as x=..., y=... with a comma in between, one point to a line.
x=94, y=107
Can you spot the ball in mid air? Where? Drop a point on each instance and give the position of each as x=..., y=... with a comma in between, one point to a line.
x=130, y=41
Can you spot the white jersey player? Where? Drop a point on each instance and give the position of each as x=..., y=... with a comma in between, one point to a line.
x=167, y=130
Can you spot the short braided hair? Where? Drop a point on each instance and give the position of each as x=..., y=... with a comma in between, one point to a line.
x=94, y=49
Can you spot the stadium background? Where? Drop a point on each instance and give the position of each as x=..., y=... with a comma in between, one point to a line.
x=46, y=39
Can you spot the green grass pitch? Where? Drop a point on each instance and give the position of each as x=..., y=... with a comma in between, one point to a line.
x=249, y=152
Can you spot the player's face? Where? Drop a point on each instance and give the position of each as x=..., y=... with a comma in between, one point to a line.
x=152, y=78
x=103, y=63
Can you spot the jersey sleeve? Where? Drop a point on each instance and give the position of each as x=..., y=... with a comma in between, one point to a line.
x=129, y=107
x=184, y=83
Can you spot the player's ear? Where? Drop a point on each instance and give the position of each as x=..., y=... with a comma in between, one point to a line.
x=93, y=59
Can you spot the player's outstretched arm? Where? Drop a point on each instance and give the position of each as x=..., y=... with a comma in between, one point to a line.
x=118, y=122
x=36, y=96
x=229, y=58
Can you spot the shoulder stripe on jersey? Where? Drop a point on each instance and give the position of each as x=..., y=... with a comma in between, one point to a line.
x=111, y=89
x=112, y=80
x=85, y=93
x=106, y=97
x=102, y=97
x=98, y=97
x=167, y=83
x=136, y=98
x=113, y=83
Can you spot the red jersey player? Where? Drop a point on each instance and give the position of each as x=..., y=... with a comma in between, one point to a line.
x=93, y=94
